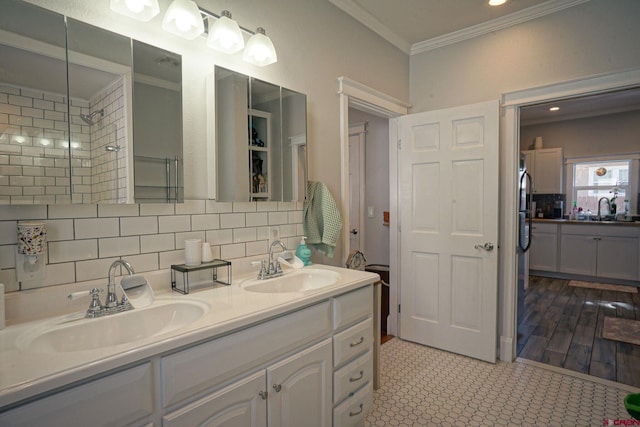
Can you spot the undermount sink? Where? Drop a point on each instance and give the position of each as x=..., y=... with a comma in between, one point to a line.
x=295, y=281
x=71, y=334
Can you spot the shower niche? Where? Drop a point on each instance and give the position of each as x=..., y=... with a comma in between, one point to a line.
x=73, y=100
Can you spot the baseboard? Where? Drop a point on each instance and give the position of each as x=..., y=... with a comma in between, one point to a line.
x=506, y=349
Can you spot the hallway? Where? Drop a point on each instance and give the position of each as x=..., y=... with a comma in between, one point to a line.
x=562, y=326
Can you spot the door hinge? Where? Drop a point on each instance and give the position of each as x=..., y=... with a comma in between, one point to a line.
x=399, y=144
x=399, y=308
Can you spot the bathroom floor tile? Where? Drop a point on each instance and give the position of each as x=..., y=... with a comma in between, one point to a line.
x=423, y=386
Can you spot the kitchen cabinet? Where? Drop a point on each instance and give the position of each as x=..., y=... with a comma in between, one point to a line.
x=600, y=250
x=545, y=167
x=543, y=253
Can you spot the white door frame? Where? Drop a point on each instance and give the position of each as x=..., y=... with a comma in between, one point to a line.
x=509, y=161
x=361, y=97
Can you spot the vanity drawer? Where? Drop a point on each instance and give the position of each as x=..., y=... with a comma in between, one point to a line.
x=352, y=307
x=352, y=411
x=203, y=367
x=353, y=341
x=351, y=377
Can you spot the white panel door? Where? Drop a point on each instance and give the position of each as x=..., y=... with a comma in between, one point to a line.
x=448, y=167
x=354, y=192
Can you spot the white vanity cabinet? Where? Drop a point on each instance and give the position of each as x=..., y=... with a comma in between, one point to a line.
x=293, y=392
x=352, y=357
x=545, y=167
x=600, y=250
x=275, y=370
x=121, y=399
x=543, y=254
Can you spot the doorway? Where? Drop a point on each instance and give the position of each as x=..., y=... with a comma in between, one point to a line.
x=562, y=324
x=357, y=97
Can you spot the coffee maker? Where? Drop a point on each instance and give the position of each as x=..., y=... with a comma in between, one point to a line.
x=558, y=209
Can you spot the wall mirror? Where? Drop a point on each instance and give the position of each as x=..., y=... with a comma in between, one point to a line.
x=261, y=135
x=73, y=99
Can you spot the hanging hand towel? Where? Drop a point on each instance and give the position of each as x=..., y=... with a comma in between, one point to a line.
x=322, y=220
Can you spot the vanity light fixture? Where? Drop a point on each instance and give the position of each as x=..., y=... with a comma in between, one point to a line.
x=186, y=19
x=497, y=2
x=259, y=50
x=142, y=10
x=224, y=34
x=554, y=108
x=183, y=19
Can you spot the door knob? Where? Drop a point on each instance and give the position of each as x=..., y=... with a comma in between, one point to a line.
x=487, y=247
x=354, y=232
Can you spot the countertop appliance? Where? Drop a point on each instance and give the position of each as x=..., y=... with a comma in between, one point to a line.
x=525, y=218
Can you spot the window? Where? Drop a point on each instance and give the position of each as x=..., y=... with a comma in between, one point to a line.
x=594, y=179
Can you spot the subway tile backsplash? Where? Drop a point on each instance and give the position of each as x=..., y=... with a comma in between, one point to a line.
x=83, y=240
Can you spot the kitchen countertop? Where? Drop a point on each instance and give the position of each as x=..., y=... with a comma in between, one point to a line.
x=26, y=374
x=603, y=223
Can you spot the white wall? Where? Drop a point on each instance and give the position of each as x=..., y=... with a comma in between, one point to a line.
x=376, y=245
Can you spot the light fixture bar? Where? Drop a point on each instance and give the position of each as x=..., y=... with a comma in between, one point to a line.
x=205, y=14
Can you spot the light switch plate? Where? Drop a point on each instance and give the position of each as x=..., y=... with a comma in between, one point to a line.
x=370, y=212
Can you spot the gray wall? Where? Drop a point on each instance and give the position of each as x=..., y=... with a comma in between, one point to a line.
x=595, y=37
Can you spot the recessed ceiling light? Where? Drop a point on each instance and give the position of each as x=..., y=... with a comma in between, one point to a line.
x=554, y=108
x=497, y=2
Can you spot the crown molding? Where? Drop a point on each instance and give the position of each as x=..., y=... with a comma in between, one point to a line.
x=369, y=21
x=547, y=8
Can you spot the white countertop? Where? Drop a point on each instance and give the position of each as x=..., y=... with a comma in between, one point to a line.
x=24, y=374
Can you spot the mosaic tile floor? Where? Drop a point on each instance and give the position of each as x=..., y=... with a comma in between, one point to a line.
x=422, y=386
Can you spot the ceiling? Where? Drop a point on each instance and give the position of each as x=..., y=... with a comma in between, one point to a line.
x=414, y=26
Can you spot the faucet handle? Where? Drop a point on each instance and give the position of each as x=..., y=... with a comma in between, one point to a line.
x=93, y=292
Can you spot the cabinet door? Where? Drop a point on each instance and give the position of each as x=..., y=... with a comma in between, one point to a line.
x=618, y=257
x=548, y=171
x=123, y=398
x=578, y=254
x=238, y=405
x=543, y=254
x=300, y=389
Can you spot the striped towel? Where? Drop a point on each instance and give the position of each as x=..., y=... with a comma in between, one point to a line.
x=322, y=220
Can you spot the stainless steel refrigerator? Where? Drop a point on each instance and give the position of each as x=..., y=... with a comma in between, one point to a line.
x=525, y=217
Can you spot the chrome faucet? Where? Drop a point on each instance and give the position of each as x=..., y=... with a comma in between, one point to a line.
x=273, y=269
x=111, y=304
x=112, y=299
x=606, y=199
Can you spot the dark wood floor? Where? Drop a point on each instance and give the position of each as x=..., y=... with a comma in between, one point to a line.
x=562, y=326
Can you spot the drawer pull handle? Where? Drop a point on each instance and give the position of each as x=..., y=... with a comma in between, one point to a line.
x=263, y=395
x=353, y=344
x=277, y=387
x=354, y=379
x=353, y=414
